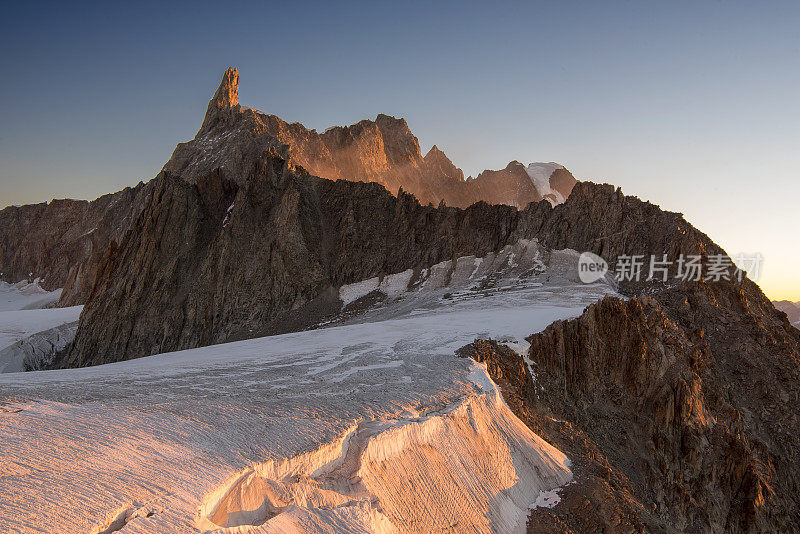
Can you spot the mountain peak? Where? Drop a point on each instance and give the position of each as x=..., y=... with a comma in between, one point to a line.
x=383, y=150
x=434, y=152
x=436, y=157
x=226, y=97
x=382, y=118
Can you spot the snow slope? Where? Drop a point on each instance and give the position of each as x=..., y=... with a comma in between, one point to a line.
x=373, y=425
x=21, y=318
x=26, y=295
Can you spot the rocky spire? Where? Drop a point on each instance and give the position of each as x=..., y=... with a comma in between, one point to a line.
x=226, y=97
x=227, y=94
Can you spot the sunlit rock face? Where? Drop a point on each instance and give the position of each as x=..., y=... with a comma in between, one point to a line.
x=384, y=151
x=227, y=95
x=52, y=241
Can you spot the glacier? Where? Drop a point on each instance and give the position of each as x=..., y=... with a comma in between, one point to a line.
x=30, y=329
x=368, y=424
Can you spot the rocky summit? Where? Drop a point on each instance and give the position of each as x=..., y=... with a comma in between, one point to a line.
x=382, y=151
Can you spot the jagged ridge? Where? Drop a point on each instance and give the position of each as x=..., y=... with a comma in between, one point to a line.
x=215, y=261
x=62, y=242
x=383, y=151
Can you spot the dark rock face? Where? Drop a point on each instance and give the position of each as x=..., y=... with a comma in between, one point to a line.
x=692, y=395
x=214, y=260
x=55, y=240
x=600, y=219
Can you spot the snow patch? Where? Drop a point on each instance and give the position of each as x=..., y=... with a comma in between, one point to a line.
x=394, y=285
x=479, y=375
x=26, y=295
x=539, y=174
x=520, y=347
x=547, y=499
x=196, y=429
x=228, y=214
x=352, y=292
x=438, y=276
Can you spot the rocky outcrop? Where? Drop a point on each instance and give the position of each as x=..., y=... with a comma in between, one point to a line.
x=678, y=409
x=54, y=241
x=692, y=395
x=234, y=235
x=227, y=95
x=215, y=260
x=602, y=220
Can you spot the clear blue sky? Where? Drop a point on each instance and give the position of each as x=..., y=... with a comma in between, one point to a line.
x=692, y=105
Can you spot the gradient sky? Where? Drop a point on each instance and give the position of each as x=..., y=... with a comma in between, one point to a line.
x=693, y=106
